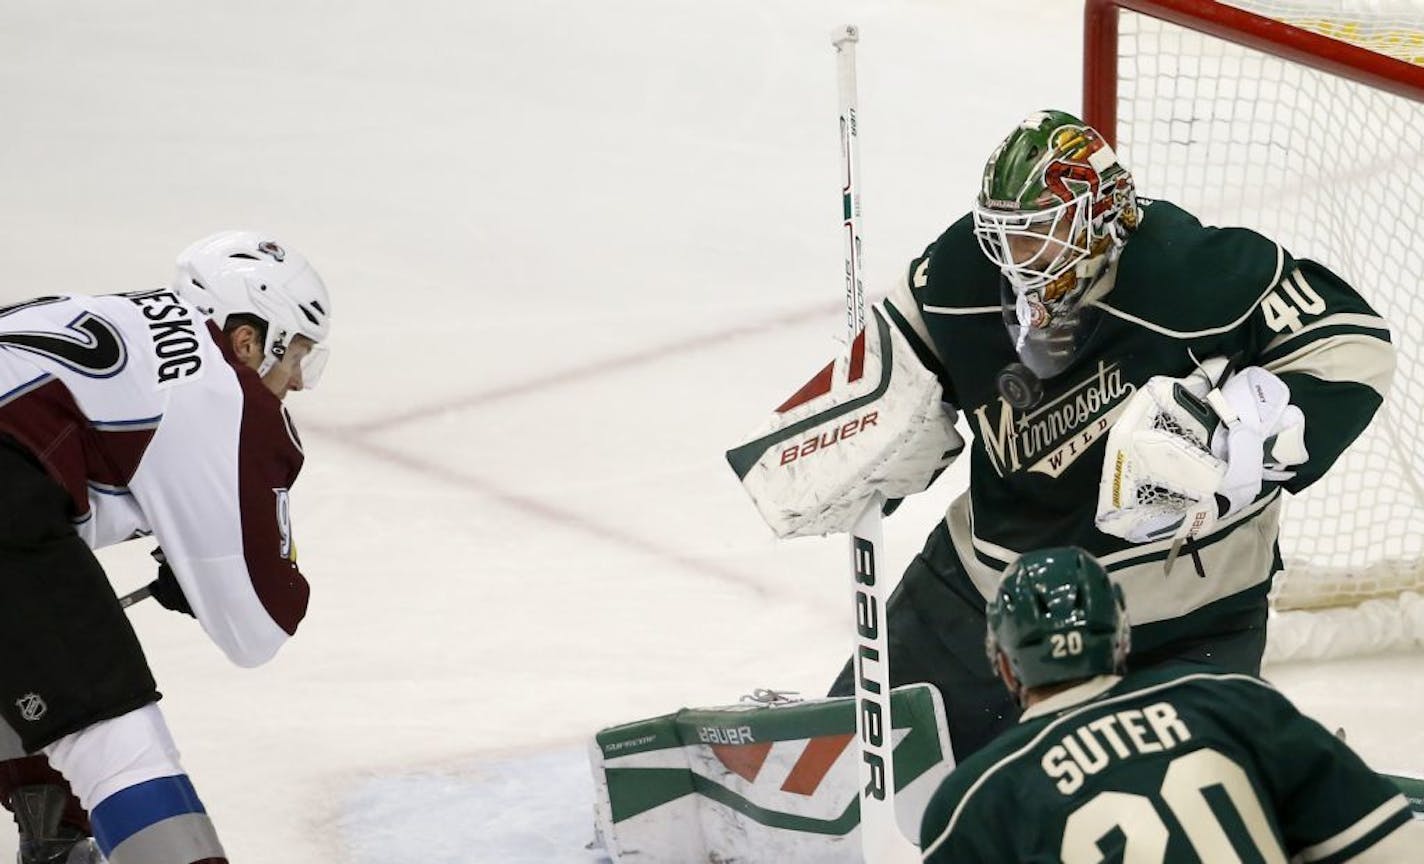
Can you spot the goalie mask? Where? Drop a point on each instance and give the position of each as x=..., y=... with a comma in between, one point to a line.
x=1054, y=211
x=1058, y=617
x=249, y=273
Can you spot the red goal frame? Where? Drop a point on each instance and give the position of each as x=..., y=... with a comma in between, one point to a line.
x=1100, y=29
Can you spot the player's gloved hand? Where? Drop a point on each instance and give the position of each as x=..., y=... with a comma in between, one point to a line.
x=1184, y=454
x=1260, y=437
x=847, y=437
x=165, y=589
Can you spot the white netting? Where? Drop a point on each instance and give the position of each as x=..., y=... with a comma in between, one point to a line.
x=1371, y=627
x=1334, y=170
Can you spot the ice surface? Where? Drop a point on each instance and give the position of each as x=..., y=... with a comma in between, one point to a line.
x=576, y=250
x=535, y=809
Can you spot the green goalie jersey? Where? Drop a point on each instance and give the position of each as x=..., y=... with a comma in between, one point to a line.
x=1179, y=291
x=1166, y=766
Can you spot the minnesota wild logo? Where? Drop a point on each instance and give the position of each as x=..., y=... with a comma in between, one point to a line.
x=1083, y=158
x=1055, y=433
x=1074, y=148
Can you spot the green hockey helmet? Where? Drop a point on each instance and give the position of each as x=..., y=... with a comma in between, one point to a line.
x=1058, y=617
x=1054, y=201
x=1054, y=210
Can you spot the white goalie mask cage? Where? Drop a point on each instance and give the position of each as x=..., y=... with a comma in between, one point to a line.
x=1034, y=249
x=248, y=272
x=1045, y=258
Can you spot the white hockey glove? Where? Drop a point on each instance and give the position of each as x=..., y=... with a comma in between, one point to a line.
x=869, y=423
x=1261, y=434
x=1185, y=455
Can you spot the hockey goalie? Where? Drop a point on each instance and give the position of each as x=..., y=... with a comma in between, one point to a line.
x=1131, y=382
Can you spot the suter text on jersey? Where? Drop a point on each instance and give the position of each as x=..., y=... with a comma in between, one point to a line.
x=1093, y=746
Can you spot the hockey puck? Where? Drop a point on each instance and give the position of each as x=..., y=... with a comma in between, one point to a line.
x=1019, y=386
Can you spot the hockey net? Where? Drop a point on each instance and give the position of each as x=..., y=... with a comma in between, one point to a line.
x=1302, y=119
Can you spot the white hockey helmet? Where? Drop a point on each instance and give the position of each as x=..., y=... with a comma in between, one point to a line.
x=249, y=273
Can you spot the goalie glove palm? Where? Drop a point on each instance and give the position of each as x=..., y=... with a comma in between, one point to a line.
x=1184, y=455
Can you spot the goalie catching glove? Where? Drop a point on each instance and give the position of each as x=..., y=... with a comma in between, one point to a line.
x=870, y=423
x=1186, y=454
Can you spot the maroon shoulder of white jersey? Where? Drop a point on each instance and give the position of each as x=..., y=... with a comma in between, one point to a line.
x=136, y=405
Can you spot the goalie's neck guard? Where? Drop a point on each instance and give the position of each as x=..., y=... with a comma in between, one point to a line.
x=1048, y=342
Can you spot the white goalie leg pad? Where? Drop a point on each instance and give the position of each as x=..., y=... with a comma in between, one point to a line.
x=758, y=783
x=873, y=421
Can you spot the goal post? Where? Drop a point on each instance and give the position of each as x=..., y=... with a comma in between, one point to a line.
x=1304, y=120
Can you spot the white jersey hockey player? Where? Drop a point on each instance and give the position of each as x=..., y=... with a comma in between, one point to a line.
x=152, y=413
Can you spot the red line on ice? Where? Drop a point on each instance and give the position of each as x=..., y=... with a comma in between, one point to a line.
x=593, y=370
x=359, y=436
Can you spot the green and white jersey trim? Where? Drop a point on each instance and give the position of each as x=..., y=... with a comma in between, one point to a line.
x=901, y=298
x=964, y=310
x=1090, y=689
x=1344, y=357
x=1353, y=321
x=1210, y=331
x=1339, y=847
x=1238, y=555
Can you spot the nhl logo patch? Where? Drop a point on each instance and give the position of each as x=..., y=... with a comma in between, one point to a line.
x=32, y=707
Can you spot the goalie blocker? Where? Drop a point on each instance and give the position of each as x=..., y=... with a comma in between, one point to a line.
x=872, y=421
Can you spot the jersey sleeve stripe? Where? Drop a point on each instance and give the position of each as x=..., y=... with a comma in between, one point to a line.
x=108, y=488
x=901, y=298
x=21, y=390
x=964, y=310
x=993, y=555
x=1366, y=832
x=1210, y=331
x=138, y=424
x=1354, y=321
x=1346, y=358
x=924, y=351
x=1333, y=332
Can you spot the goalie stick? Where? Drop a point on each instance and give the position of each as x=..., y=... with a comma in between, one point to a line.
x=880, y=836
